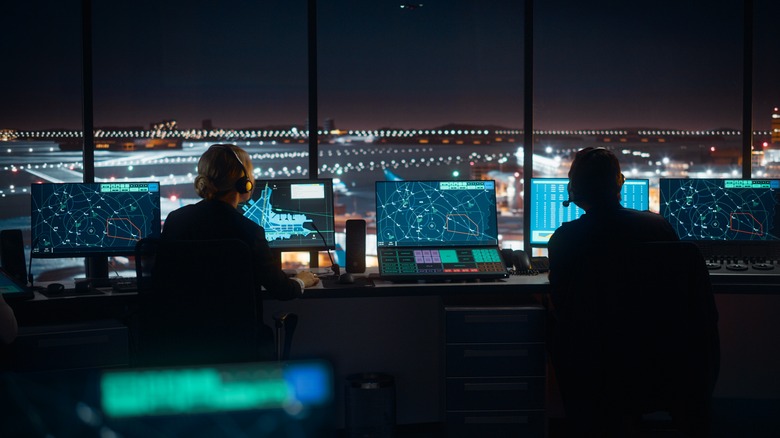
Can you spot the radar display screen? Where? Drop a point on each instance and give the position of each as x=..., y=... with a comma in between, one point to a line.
x=436, y=213
x=548, y=211
x=722, y=209
x=295, y=214
x=85, y=219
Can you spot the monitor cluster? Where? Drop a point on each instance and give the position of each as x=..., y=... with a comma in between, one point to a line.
x=422, y=227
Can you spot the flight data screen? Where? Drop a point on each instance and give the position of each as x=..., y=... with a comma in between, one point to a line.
x=722, y=209
x=548, y=211
x=441, y=213
x=82, y=219
x=296, y=214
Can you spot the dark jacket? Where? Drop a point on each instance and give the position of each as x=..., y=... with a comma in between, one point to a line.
x=218, y=220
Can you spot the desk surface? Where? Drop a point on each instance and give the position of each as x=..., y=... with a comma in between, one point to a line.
x=750, y=282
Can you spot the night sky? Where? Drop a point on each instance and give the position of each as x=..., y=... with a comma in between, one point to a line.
x=599, y=65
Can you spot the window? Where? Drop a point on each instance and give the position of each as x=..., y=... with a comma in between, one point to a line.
x=766, y=91
x=657, y=82
x=173, y=77
x=431, y=91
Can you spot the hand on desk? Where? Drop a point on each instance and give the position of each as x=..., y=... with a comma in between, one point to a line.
x=308, y=278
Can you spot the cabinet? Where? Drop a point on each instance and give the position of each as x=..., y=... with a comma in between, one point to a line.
x=495, y=366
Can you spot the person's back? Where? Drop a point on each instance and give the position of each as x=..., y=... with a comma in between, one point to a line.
x=602, y=284
x=224, y=180
x=595, y=182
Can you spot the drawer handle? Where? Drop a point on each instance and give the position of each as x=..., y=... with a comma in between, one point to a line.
x=481, y=319
x=520, y=419
x=519, y=386
x=495, y=353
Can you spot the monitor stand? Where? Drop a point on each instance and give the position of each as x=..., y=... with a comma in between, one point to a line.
x=97, y=271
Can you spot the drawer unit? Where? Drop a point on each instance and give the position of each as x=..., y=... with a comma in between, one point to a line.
x=481, y=325
x=494, y=371
x=495, y=423
x=495, y=360
x=516, y=393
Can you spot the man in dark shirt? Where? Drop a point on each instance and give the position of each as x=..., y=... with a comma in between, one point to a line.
x=595, y=182
x=593, y=310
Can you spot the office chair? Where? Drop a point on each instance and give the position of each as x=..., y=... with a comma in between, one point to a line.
x=199, y=304
x=636, y=338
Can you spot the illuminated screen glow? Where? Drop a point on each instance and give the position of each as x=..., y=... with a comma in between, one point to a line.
x=84, y=219
x=722, y=209
x=436, y=213
x=224, y=388
x=548, y=212
x=292, y=212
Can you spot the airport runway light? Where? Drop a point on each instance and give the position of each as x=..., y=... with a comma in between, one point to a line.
x=455, y=173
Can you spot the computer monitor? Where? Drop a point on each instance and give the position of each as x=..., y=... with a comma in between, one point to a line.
x=437, y=231
x=722, y=209
x=548, y=212
x=440, y=213
x=297, y=214
x=93, y=219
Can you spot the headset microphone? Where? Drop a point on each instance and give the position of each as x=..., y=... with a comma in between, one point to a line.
x=567, y=202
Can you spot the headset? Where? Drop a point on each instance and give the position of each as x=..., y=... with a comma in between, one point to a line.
x=579, y=161
x=243, y=184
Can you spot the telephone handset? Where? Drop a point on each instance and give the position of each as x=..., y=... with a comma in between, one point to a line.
x=518, y=261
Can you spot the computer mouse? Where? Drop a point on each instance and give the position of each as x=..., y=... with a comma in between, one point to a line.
x=55, y=288
x=346, y=278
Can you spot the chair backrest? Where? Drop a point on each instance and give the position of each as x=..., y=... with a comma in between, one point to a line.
x=641, y=333
x=200, y=306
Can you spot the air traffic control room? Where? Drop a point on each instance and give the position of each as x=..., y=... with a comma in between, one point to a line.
x=412, y=167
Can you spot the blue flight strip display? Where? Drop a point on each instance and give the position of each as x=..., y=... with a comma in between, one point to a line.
x=548, y=211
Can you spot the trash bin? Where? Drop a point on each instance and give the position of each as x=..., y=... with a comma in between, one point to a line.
x=370, y=405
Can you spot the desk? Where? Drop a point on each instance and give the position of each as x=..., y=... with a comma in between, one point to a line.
x=398, y=329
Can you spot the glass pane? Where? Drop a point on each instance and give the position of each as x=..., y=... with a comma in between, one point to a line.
x=420, y=92
x=41, y=113
x=173, y=77
x=766, y=90
x=658, y=82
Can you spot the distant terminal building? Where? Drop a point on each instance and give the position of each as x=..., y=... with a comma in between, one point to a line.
x=776, y=125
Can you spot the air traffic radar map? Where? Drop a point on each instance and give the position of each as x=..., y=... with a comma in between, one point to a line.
x=722, y=209
x=96, y=216
x=436, y=212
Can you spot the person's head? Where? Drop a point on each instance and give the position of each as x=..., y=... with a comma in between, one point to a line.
x=595, y=178
x=225, y=173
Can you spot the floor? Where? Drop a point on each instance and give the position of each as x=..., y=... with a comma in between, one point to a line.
x=732, y=418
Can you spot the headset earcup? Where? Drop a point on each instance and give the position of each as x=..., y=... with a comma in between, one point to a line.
x=244, y=185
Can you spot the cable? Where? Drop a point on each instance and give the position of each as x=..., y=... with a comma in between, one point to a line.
x=29, y=265
x=333, y=266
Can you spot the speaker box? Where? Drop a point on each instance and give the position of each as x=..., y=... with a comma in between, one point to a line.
x=356, y=246
x=12, y=254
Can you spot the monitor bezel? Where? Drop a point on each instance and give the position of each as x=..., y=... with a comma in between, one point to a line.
x=566, y=180
x=320, y=245
x=429, y=244
x=78, y=252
